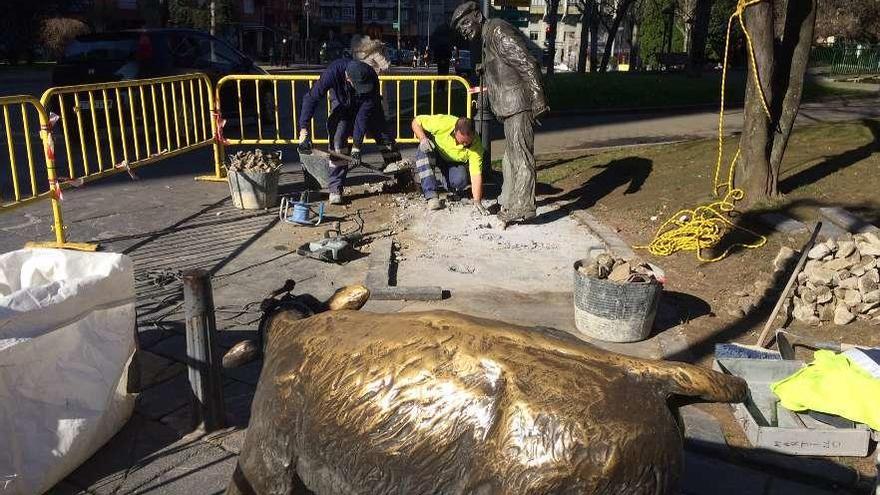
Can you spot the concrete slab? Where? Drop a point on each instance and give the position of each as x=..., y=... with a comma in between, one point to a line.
x=847, y=220
x=156, y=369
x=702, y=432
x=164, y=398
x=783, y=223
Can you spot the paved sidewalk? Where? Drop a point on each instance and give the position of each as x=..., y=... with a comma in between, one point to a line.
x=172, y=223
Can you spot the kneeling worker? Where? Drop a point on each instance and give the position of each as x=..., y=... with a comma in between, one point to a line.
x=448, y=145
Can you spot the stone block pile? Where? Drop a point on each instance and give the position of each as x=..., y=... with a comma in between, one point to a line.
x=840, y=282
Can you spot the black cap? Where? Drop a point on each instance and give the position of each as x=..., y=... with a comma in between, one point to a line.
x=362, y=77
x=463, y=10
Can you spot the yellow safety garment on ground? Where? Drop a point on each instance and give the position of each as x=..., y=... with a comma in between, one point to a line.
x=441, y=128
x=832, y=384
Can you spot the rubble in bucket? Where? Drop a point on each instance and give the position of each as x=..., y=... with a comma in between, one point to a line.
x=840, y=282
x=606, y=267
x=255, y=161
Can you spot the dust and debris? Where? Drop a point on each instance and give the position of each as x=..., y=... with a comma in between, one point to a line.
x=464, y=269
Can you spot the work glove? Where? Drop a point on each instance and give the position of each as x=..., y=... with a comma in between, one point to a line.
x=480, y=209
x=426, y=146
x=305, y=142
x=356, y=157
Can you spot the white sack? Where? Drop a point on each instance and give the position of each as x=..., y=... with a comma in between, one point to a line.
x=67, y=323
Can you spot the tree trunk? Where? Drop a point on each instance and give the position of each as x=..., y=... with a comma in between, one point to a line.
x=584, y=41
x=699, y=34
x=594, y=36
x=753, y=169
x=619, y=15
x=797, y=40
x=552, y=21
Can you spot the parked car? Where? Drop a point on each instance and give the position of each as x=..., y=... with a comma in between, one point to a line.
x=147, y=53
x=464, y=67
x=332, y=50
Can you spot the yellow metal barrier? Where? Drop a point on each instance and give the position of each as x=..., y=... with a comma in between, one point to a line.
x=267, y=106
x=111, y=128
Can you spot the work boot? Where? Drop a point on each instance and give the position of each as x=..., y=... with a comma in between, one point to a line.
x=434, y=204
x=336, y=199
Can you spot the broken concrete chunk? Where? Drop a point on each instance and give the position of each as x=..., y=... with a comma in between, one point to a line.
x=785, y=256
x=838, y=264
x=826, y=312
x=604, y=263
x=839, y=292
x=832, y=244
x=819, y=251
x=874, y=275
x=851, y=283
x=868, y=249
x=868, y=306
x=842, y=315
x=867, y=283
x=819, y=275
x=620, y=273
x=845, y=249
x=871, y=297
x=823, y=295
x=852, y=298
x=808, y=296
x=803, y=311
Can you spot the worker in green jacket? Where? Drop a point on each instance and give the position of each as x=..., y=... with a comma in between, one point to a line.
x=449, y=150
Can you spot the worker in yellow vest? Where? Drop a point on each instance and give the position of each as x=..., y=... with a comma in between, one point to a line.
x=449, y=151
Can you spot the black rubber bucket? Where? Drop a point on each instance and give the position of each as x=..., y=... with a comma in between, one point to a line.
x=614, y=312
x=252, y=190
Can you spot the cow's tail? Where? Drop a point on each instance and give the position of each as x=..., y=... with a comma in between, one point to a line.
x=687, y=380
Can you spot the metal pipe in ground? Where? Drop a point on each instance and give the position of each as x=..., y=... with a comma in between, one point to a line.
x=203, y=356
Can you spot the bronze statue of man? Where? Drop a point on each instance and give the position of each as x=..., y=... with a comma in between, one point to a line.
x=516, y=94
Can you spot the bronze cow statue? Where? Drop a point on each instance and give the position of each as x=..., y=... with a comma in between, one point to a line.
x=442, y=403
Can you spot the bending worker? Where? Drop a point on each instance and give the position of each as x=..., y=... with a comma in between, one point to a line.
x=356, y=109
x=448, y=147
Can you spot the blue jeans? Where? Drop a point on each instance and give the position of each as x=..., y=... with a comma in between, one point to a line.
x=431, y=168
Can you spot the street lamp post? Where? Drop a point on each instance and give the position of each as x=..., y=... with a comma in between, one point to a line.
x=484, y=115
x=307, y=46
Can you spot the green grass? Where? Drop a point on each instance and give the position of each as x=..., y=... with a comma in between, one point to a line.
x=629, y=90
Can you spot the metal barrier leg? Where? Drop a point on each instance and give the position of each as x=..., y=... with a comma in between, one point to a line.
x=201, y=351
x=57, y=217
x=219, y=148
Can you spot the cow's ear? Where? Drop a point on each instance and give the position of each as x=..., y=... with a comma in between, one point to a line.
x=350, y=297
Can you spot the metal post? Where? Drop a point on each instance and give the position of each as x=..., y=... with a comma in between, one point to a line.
x=201, y=351
x=398, y=24
x=484, y=113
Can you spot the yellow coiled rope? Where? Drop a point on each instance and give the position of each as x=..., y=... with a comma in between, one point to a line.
x=704, y=226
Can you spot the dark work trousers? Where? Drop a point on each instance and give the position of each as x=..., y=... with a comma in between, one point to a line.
x=518, y=165
x=340, y=126
x=431, y=168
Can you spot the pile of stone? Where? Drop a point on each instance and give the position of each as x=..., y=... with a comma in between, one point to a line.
x=255, y=161
x=619, y=270
x=840, y=282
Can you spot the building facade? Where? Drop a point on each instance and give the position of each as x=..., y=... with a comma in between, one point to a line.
x=530, y=15
x=418, y=19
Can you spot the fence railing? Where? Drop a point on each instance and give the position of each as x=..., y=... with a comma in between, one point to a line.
x=92, y=131
x=263, y=109
x=846, y=59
